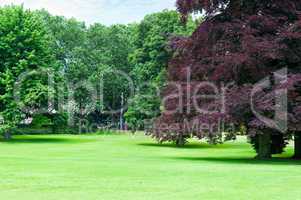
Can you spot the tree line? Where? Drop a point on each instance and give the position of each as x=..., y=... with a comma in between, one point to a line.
x=238, y=70
x=60, y=74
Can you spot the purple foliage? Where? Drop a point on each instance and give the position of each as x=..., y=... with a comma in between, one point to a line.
x=244, y=43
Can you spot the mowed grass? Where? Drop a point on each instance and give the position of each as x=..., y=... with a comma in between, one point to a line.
x=126, y=167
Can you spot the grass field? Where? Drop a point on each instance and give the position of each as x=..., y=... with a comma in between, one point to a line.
x=135, y=167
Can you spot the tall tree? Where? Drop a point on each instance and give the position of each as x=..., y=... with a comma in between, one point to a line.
x=242, y=41
x=91, y=59
x=68, y=39
x=25, y=55
x=109, y=48
x=150, y=60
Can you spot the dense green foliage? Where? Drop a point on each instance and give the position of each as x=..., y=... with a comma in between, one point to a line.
x=150, y=60
x=25, y=55
x=82, y=77
x=89, y=58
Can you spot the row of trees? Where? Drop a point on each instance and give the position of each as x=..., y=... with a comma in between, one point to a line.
x=244, y=58
x=57, y=72
x=252, y=48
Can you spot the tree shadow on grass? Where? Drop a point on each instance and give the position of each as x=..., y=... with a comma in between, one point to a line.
x=194, y=146
x=45, y=140
x=243, y=160
x=169, y=145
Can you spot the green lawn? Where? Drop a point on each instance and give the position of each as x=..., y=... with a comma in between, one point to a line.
x=134, y=167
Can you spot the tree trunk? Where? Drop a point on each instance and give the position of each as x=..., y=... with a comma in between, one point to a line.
x=264, y=146
x=297, y=145
x=7, y=136
x=180, y=141
x=278, y=143
x=121, y=120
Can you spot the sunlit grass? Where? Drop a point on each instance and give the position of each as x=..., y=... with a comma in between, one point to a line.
x=135, y=167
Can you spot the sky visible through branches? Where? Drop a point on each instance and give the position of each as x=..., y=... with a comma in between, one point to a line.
x=102, y=11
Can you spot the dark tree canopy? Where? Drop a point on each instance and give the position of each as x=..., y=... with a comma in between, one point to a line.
x=240, y=42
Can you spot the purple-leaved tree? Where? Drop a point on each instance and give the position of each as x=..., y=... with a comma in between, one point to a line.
x=243, y=62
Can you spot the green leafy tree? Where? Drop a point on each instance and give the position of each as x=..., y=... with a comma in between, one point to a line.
x=69, y=46
x=90, y=57
x=109, y=48
x=25, y=56
x=150, y=60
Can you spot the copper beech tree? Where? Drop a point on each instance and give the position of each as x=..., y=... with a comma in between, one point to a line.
x=240, y=70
